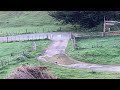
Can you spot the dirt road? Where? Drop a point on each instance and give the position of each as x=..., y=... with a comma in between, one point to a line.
x=56, y=51
x=56, y=54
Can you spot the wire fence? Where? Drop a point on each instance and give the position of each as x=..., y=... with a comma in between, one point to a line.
x=98, y=43
x=24, y=38
x=27, y=31
x=14, y=58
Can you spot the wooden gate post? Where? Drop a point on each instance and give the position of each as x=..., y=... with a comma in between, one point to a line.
x=104, y=27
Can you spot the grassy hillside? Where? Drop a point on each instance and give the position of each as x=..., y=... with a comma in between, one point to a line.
x=25, y=18
x=37, y=20
x=102, y=50
x=20, y=22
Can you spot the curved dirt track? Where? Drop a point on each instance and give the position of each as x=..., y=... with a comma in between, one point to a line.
x=56, y=51
x=56, y=54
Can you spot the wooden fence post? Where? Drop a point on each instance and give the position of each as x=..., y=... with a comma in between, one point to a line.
x=2, y=40
x=73, y=40
x=15, y=38
x=26, y=30
x=6, y=33
x=19, y=39
x=7, y=39
x=60, y=28
x=27, y=37
x=47, y=36
x=32, y=38
x=33, y=46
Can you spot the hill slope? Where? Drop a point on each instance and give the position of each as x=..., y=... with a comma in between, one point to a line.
x=21, y=22
x=25, y=18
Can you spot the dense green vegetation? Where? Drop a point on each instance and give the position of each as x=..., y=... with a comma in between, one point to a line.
x=87, y=19
x=102, y=50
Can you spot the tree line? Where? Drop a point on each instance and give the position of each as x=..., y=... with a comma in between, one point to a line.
x=87, y=19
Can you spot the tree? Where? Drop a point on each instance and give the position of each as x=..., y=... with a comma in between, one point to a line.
x=87, y=19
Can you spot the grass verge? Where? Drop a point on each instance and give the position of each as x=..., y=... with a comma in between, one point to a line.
x=95, y=51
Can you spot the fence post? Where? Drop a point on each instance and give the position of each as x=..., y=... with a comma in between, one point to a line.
x=39, y=37
x=33, y=46
x=60, y=28
x=32, y=38
x=48, y=30
x=74, y=41
x=18, y=38
x=26, y=30
x=6, y=33
x=27, y=37
x=15, y=38
x=7, y=39
x=47, y=36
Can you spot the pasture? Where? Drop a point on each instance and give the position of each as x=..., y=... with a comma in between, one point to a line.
x=99, y=50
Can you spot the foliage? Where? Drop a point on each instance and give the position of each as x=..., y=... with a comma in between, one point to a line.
x=87, y=19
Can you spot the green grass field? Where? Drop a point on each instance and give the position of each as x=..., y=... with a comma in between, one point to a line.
x=20, y=22
x=62, y=72
x=28, y=29
x=109, y=53
x=35, y=29
x=17, y=49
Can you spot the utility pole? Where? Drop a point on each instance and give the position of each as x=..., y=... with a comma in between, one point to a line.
x=104, y=27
